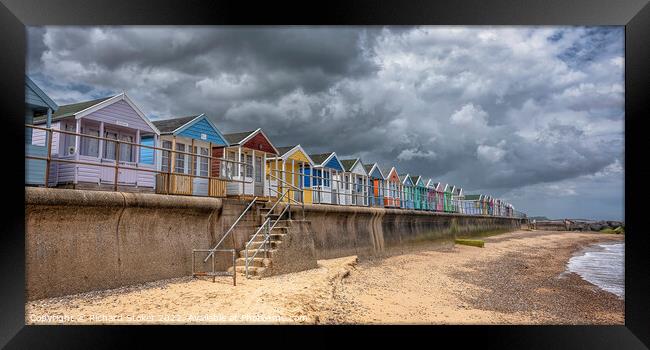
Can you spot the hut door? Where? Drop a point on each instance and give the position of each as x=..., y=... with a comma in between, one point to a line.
x=336, y=181
x=259, y=184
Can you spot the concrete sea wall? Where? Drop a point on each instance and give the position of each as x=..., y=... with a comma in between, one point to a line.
x=342, y=231
x=79, y=240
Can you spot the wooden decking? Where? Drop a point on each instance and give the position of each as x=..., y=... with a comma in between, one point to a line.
x=183, y=185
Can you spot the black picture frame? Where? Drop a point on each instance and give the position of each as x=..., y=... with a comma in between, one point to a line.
x=633, y=14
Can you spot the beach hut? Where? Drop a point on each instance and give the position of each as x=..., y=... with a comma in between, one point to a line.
x=472, y=204
x=419, y=193
x=447, y=204
x=490, y=205
x=328, y=175
x=245, y=156
x=376, y=185
x=502, y=209
x=37, y=102
x=194, y=134
x=438, y=189
x=485, y=205
x=457, y=198
x=408, y=189
x=430, y=195
x=393, y=192
x=356, y=181
x=115, y=117
x=291, y=169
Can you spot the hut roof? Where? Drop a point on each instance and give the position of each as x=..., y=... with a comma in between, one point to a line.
x=70, y=110
x=320, y=158
x=167, y=126
x=348, y=164
x=237, y=137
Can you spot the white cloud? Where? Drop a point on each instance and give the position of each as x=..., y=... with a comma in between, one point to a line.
x=409, y=154
x=490, y=154
x=469, y=114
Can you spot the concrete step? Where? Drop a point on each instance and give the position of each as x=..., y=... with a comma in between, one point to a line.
x=274, y=236
x=242, y=253
x=257, y=243
x=258, y=262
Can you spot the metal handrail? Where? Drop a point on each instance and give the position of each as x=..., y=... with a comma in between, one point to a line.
x=264, y=242
x=299, y=190
x=284, y=182
x=289, y=198
x=213, y=272
x=276, y=202
x=231, y=228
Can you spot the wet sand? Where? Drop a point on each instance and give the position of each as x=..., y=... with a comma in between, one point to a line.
x=518, y=278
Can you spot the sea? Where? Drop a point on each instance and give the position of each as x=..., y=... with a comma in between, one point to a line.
x=603, y=265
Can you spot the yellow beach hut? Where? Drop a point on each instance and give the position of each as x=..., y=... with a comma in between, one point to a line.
x=290, y=170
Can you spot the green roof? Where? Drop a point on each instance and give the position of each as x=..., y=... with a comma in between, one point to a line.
x=385, y=171
x=169, y=125
x=283, y=150
x=237, y=137
x=320, y=158
x=348, y=163
x=71, y=109
x=472, y=197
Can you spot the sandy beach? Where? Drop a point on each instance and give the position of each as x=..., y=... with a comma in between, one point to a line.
x=517, y=278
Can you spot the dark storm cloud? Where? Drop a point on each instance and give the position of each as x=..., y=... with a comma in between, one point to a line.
x=500, y=110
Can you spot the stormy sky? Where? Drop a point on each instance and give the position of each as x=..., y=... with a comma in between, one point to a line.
x=533, y=115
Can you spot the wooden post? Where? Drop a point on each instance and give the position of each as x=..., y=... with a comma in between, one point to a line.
x=100, y=151
x=192, y=166
x=264, y=192
x=292, y=192
x=49, y=156
x=277, y=177
x=117, y=163
x=284, y=176
x=77, y=139
x=170, y=161
x=77, y=143
x=254, y=168
x=210, y=160
x=137, y=147
x=241, y=177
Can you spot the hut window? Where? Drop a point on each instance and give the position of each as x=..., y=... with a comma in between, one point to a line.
x=258, y=169
x=164, y=160
x=89, y=146
x=204, y=162
x=179, y=167
x=69, y=140
x=231, y=167
x=248, y=168
x=326, y=178
x=109, y=149
x=126, y=149
x=346, y=178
